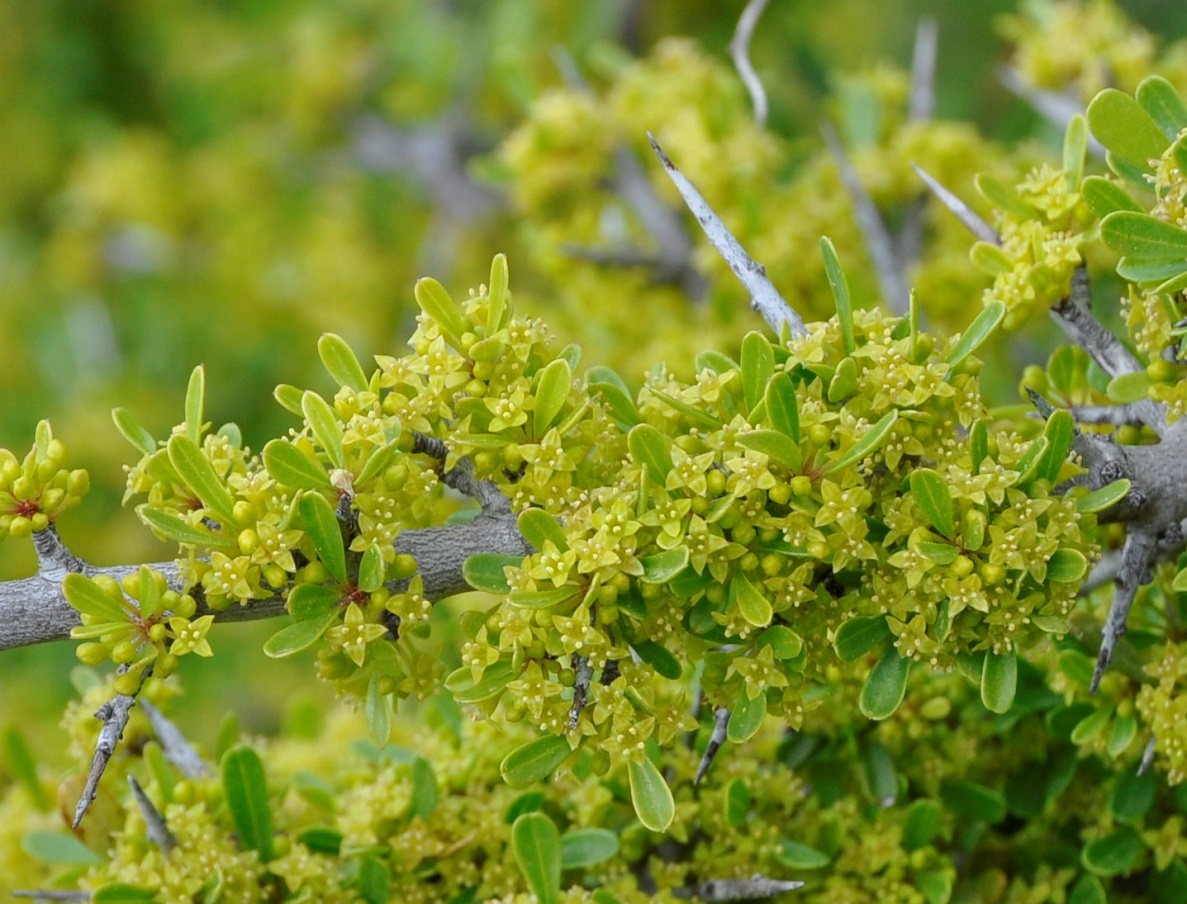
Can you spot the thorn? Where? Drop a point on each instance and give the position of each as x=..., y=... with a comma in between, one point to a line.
x=721, y=719
x=740, y=50
x=1147, y=756
x=155, y=827
x=964, y=213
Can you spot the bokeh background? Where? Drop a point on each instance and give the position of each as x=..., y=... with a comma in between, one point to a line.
x=219, y=183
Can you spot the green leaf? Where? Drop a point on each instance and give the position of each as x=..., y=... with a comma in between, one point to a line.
x=990, y=258
x=537, y=847
x=1104, y=196
x=1179, y=585
x=245, y=791
x=122, y=893
x=999, y=681
x=659, y=658
x=695, y=415
x=21, y=765
x=1129, y=387
x=978, y=444
x=435, y=301
x=538, y=528
x=541, y=599
x=1115, y=854
x=298, y=636
x=375, y=882
x=1066, y=565
x=90, y=599
x=308, y=601
x=776, y=445
x=609, y=385
x=535, y=761
x=425, y=792
x=1060, y=431
x=1142, y=237
x=377, y=709
x=291, y=467
x=376, y=463
x=196, y=471
x=1028, y=464
x=1149, y=272
x=651, y=796
x=751, y=603
x=867, y=445
x=782, y=406
x=648, y=447
x=784, y=643
x=859, y=635
x=1161, y=101
x=840, y=290
x=131, y=430
x=1075, y=144
x=711, y=359
x=493, y=681
x=496, y=294
x=934, y=499
x=1088, y=890
x=1003, y=197
x=340, y=362
x=372, y=570
x=149, y=595
x=552, y=391
x=485, y=571
x=324, y=423
x=58, y=847
x=195, y=403
x=173, y=528
x=979, y=330
x=585, y=847
x=737, y=802
x=800, y=856
x=1133, y=795
x=921, y=824
x=661, y=567
x=1125, y=129
x=973, y=801
x=289, y=398
x=758, y=364
x=746, y=717
x=321, y=524
x=885, y=685
x=1125, y=729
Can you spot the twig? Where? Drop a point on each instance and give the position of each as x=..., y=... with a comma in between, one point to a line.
x=610, y=257
x=155, y=827
x=580, y=689
x=757, y=886
x=923, y=72
x=1147, y=756
x=1117, y=415
x=45, y=894
x=764, y=297
x=1135, y=560
x=964, y=213
x=891, y=279
x=114, y=715
x=174, y=745
x=1103, y=572
x=740, y=51
x=721, y=720
x=1057, y=109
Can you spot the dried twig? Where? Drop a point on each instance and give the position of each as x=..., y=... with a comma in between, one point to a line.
x=740, y=51
x=964, y=213
x=580, y=689
x=1147, y=756
x=721, y=721
x=154, y=823
x=757, y=886
x=1135, y=562
x=923, y=71
x=174, y=745
x=764, y=297
x=114, y=715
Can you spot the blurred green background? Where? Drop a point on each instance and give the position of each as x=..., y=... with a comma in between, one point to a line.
x=220, y=183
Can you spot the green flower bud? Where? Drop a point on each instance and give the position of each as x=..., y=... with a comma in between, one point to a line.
x=91, y=653
x=20, y=527
x=124, y=651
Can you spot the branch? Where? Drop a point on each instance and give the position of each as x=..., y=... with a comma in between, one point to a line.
x=1116, y=415
x=889, y=269
x=964, y=213
x=764, y=297
x=580, y=689
x=923, y=72
x=1135, y=561
x=721, y=720
x=154, y=823
x=174, y=745
x=740, y=51
x=45, y=894
x=757, y=886
x=1057, y=109
x=114, y=715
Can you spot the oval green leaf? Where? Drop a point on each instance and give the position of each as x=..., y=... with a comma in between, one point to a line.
x=58, y=847
x=800, y=856
x=661, y=567
x=885, y=685
x=783, y=412
x=122, y=893
x=372, y=570
x=537, y=847
x=1104, y=196
x=376, y=463
x=605, y=382
x=840, y=289
x=541, y=599
x=496, y=294
x=552, y=391
x=1125, y=129
x=973, y=801
x=173, y=528
x=340, y=362
x=776, y=445
x=751, y=603
x=289, y=398
x=979, y=330
x=1114, y=854
x=659, y=658
x=585, y=847
x=288, y=465
x=1162, y=103
x=651, y=796
x=377, y=708
x=324, y=423
x=195, y=403
x=934, y=499
x=999, y=681
x=298, y=636
x=535, y=761
x=321, y=524
x=867, y=445
x=1066, y=565
x=859, y=635
x=90, y=599
x=131, y=430
x=746, y=717
x=538, y=527
x=486, y=571
x=1060, y=431
x=758, y=364
x=648, y=447
x=195, y=469
x=1131, y=387
x=1142, y=237
x=245, y=791
x=435, y=301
